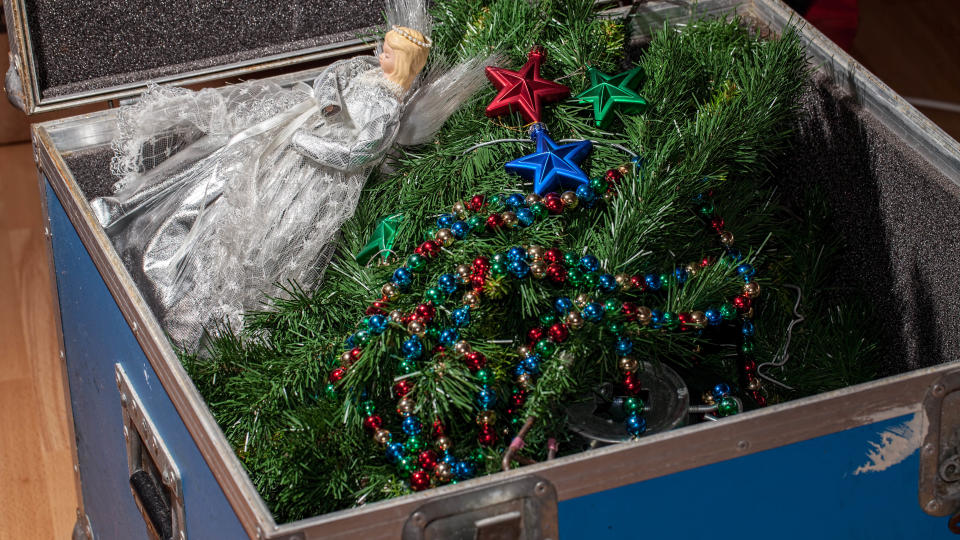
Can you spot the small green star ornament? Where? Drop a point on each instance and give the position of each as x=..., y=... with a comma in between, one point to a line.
x=608, y=90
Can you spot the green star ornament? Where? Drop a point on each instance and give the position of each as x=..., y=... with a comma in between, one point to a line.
x=608, y=90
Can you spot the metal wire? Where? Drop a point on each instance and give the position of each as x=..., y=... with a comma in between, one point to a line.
x=784, y=355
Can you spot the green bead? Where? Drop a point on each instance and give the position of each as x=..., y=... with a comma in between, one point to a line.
x=548, y=318
x=499, y=258
x=615, y=326
x=728, y=406
x=478, y=455
x=407, y=464
x=747, y=347
x=539, y=210
x=484, y=376
x=633, y=405
x=727, y=311
x=575, y=277
x=670, y=319
x=414, y=444
x=431, y=233
x=365, y=323
x=363, y=337
x=330, y=391
x=590, y=279
x=707, y=208
x=416, y=263
x=498, y=269
x=407, y=366
x=496, y=201
x=433, y=331
x=571, y=259
x=598, y=185
x=666, y=281
x=368, y=407
x=546, y=348
x=435, y=295
x=474, y=222
x=612, y=305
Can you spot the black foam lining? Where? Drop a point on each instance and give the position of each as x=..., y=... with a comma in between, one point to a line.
x=898, y=215
x=85, y=45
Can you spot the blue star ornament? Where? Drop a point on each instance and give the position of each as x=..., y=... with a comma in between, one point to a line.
x=553, y=165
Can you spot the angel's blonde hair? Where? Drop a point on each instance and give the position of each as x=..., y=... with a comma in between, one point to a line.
x=410, y=57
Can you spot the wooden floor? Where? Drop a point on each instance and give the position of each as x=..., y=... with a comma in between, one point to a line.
x=911, y=44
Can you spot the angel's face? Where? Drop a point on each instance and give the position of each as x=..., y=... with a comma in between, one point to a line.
x=387, y=59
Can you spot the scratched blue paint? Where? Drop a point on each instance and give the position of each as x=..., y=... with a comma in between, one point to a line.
x=802, y=491
x=96, y=336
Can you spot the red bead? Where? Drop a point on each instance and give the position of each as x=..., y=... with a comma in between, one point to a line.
x=438, y=350
x=428, y=249
x=426, y=312
x=716, y=224
x=494, y=222
x=552, y=255
x=684, y=318
x=559, y=333
x=478, y=282
x=405, y=320
x=556, y=273
x=337, y=374
x=517, y=400
x=355, y=354
x=631, y=384
x=375, y=309
x=705, y=262
x=629, y=310
x=614, y=176
x=749, y=366
x=438, y=429
x=372, y=422
x=553, y=202
x=427, y=459
x=761, y=401
x=487, y=435
x=535, y=334
x=419, y=480
x=481, y=265
x=742, y=303
x=402, y=388
x=637, y=282
x=475, y=204
x=474, y=361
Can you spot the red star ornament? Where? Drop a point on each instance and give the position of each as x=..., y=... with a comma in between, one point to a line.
x=524, y=91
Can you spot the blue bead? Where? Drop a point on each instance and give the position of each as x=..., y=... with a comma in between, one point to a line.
x=525, y=216
x=448, y=283
x=460, y=316
x=589, y=263
x=394, y=452
x=747, y=327
x=449, y=336
x=486, y=397
x=519, y=369
x=402, y=277
x=563, y=304
x=460, y=229
x=464, y=469
x=653, y=281
x=448, y=458
x=720, y=390
x=593, y=311
x=516, y=201
x=377, y=324
x=624, y=346
x=412, y=348
x=746, y=270
x=585, y=193
x=608, y=283
x=734, y=254
x=636, y=424
x=713, y=316
x=350, y=342
x=446, y=220
x=519, y=269
x=656, y=317
x=532, y=364
x=411, y=425
x=517, y=254
x=680, y=274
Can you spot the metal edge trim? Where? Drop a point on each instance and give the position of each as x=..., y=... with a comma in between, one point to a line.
x=58, y=325
x=243, y=497
x=20, y=34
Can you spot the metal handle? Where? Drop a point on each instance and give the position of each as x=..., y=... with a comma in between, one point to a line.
x=151, y=499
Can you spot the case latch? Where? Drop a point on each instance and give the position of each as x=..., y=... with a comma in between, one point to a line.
x=523, y=508
x=940, y=451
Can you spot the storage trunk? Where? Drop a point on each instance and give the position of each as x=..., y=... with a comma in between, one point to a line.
x=871, y=460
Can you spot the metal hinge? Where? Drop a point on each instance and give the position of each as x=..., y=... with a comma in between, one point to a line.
x=940, y=450
x=524, y=509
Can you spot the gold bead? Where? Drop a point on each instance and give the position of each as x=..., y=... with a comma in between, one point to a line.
x=726, y=238
x=570, y=199
x=623, y=281
x=754, y=384
x=460, y=209
x=698, y=318
x=405, y=406
x=464, y=271
x=751, y=289
x=643, y=315
x=629, y=364
x=574, y=320
x=487, y=417
x=535, y=252
x=582, y=300
x=609, y=196
x=471, y=299
x=416, y=327
x=396, y=316
x=624, y=170
x=462, y=347
x=389, y=290
x=346, y=359
x=382, y=436
x=445, y=236
x=509, y=219
x=524, y=380
x=692, y=269
x=443, y=472
x=707, y=398
x=523, y=351
x=532, y=199
x=538, y=269
x=444, y=443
